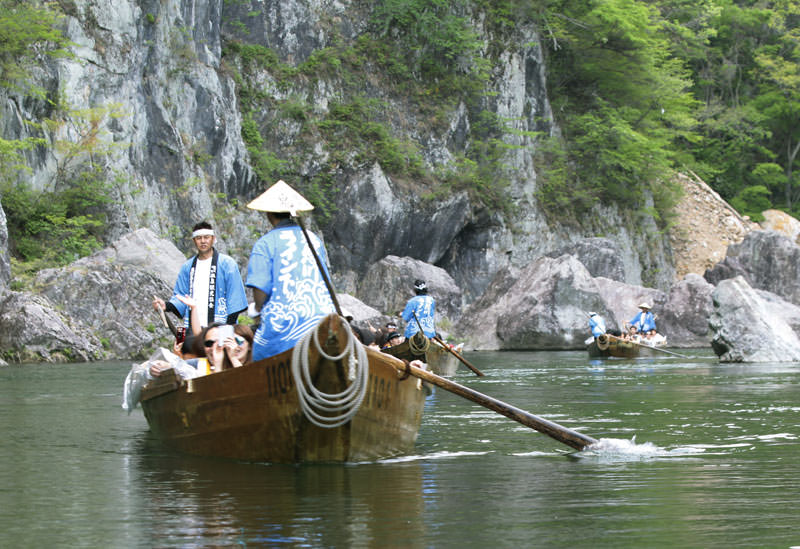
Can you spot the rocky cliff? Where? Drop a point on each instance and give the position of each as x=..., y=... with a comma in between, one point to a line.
x=175, y=151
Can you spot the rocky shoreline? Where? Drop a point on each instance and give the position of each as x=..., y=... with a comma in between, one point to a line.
x=746, y=306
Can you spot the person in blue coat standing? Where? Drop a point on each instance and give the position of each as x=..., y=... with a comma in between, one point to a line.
x=211, y=279
x=288, y=288
x=423, y=307
x=596, y=324
x=644, y=321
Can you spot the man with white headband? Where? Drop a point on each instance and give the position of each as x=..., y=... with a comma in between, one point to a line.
x=212, y=281
x=420, y=309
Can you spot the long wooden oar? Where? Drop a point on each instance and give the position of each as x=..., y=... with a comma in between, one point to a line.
x=647, y=346
x=458, y=356
x=562, y=434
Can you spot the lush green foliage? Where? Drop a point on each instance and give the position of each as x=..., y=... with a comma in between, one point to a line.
x=56, y=227
x=67, y=220
x=28, y=34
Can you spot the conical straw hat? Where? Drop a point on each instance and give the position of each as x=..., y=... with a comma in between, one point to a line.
x=281, y=198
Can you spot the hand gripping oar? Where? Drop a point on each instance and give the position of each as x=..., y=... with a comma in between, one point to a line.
x=167, y=322
x=562, y=434
x=648, y=346
x=447, y=347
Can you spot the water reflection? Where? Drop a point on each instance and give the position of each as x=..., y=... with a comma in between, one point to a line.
x=200, y=500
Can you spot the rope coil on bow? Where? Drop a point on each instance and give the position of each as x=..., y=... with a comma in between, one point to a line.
x=419, y=345
x=329, y=410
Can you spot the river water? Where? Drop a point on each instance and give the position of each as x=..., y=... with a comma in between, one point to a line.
x=693, y=454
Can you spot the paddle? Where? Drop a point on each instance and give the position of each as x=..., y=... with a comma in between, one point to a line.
x=446, y=346
x=647, y=346
x=562, y=434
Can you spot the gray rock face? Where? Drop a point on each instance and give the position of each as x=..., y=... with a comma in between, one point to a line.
x=32, y=330
x=389, y=284
x=144, y=250
x=113, y=300
x=600, y=256
x=753, y=326
x=5, y=265
x=767, y=260
x=683, y=317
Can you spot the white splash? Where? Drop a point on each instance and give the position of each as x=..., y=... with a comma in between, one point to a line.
x=615, y=449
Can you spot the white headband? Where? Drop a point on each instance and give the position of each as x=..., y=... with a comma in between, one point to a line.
x=203, y=232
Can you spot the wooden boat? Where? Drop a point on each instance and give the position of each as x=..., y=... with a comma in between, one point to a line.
x=414, y=348
x=606, y=345
x=441, y=361
x=256, y=412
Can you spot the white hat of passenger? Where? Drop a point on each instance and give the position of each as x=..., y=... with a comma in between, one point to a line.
x=281, y=198
x=644, y=305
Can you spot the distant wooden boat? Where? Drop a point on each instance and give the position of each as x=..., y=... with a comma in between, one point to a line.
x=413, y=348
x=255, y=412
x=441, y=361
x=606, y=345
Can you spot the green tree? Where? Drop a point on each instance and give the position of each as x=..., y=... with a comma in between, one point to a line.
x=777, y=77
x=621, y=96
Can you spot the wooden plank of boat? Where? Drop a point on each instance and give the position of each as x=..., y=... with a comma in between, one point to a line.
x=254, y=412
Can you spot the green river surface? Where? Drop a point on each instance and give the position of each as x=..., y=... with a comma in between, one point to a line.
x=692, y=453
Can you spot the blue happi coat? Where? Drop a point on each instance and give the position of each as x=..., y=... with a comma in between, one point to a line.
x=597, y=325
x=424, y=307
x=644, y=321
x=282, y=266
x=226, y=281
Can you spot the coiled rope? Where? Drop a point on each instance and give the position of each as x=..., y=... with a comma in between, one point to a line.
x=419, y=345
x=329, y=410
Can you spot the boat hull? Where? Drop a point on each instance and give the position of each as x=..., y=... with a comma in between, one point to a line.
x=603, y=347
x=441, y=361
x=253, y=413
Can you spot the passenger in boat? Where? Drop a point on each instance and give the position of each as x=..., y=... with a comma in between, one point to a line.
x=209, y=277
x=596, y=324
x=227, y=350
x=644, y=321
x=392, y=339
x=420, y=310
x=288, y=287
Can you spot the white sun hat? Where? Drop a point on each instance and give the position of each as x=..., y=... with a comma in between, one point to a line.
x=281, y=198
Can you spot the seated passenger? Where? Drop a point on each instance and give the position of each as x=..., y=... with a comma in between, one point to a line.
x=394, y=338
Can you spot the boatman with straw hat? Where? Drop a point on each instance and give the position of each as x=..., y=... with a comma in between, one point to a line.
x=644, y=321
x=288, y=288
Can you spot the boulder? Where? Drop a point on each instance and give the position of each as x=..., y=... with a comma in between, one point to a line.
x=752, y=326
x=113, y=300
x=767, y=260
x=389, y=284
x=683, y=317
x=782, y=222
x=33, y=330
x=144, y=250
x=600, y=256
